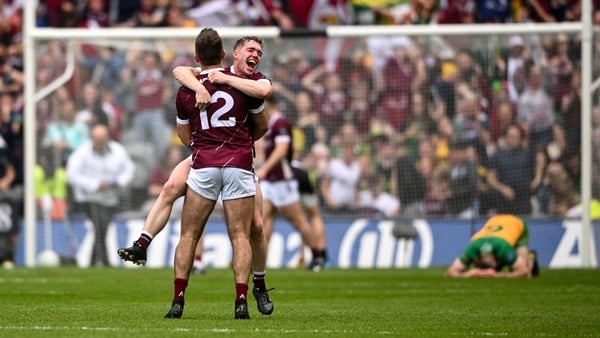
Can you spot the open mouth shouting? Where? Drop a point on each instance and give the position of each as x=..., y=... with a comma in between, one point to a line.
x=252, y=64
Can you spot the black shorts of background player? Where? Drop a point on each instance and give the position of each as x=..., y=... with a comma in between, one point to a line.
x=310, y=205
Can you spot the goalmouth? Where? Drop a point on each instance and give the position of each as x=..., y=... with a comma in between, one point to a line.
x=33, y=36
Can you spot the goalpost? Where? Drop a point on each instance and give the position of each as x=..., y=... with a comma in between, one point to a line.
x=33, y=35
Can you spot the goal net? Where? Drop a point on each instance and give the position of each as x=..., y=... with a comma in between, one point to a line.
x=449, y=126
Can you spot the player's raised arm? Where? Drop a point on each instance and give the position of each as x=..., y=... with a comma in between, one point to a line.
x=186, y=76
x=260, y=89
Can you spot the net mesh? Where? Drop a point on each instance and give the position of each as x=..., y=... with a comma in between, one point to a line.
x=427, y=121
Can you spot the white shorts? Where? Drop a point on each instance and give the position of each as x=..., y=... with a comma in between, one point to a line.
x=231, y=183
x=280, y=193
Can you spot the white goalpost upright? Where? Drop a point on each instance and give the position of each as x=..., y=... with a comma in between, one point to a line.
x=33, y=34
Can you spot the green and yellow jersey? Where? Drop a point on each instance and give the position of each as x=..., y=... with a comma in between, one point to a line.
x=501, y=235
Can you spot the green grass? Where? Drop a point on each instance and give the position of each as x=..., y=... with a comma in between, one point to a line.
x=71, y=302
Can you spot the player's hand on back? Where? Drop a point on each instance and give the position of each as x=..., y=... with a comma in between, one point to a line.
x=202, y=99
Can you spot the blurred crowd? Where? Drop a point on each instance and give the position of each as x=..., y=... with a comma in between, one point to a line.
x=422, y=127
x=298, y=13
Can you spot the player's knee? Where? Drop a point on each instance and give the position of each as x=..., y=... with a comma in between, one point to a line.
x=257, y=228
x=172, y=190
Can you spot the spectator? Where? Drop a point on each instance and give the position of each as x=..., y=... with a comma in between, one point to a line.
x=384, y=162
x=216, y=13
x=437, y=188
x=554, y=11
x=340, y=184
x=561, y=67
x=419, y=124
x=104, y=65
x=11, y=153
x=67, y=15
x=97, y=171
x=12, y=76
x=412, y=185
x=318, y=14
x=512, y=66
x=535, y=111
x=399, y=72
x=377, y=200
x=114, y=113
x=462, y=181
x=318, y=157
x=308, y=122
x=148, y=119
x=11, y=124
x=360, y=107
x=456, y=11
x=123, y=11
x=264, y=13
x=570, y=114
x=510, y=177
x=563, y=192
x=356, y=69
x=494, y=11
x=441, y=139
x=7, y=170
x=176, y=17
x=287, y=72
x=9, y=228
x=65, y=134
x=95, y=14
x=414, y=12
x=329, y=96
x=90, y=109
x=150, y=13
x=505, y=117
x=471, y=126
x=51, y=188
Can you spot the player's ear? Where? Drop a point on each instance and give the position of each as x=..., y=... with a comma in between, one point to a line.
x=223, y=54
x=197, y=58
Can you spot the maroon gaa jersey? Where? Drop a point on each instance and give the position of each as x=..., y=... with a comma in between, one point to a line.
x=280, y=129
x=220, y=136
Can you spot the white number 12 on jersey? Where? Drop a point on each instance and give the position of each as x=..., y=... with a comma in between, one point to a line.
x=215, y=119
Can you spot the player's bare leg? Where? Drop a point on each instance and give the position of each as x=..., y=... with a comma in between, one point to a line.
x=295, y=215
x=258, y=241
x=268, y=219
x=159, y=214
x=238, y=216
x=318, y=227
x=199, y=266
x=196, y=210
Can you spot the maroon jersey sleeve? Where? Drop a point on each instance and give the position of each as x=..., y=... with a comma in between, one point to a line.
x=185, y=104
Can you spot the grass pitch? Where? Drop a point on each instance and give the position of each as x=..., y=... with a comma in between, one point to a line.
x=111, y=302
